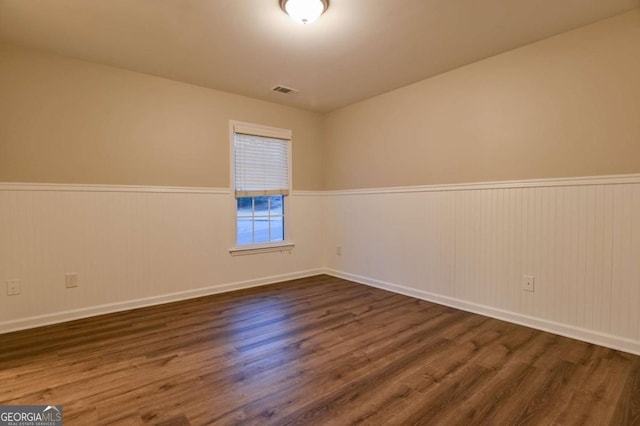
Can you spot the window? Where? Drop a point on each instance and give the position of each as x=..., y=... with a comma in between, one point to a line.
x=261, y=178
x=260, y=219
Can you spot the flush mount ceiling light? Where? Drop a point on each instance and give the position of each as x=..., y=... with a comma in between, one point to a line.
x=304, y=11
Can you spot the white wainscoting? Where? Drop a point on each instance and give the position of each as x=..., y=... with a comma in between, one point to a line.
x=468, y=246
x=132, y=247
x=465, y=246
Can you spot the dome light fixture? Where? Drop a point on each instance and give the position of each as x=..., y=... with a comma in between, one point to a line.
x=304, y=11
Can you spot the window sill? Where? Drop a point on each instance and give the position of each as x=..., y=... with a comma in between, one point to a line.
x=261, y=248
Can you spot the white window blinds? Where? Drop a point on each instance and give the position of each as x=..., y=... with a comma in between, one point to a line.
x=261, y=165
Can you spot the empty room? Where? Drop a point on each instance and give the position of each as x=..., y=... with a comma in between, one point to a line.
x=319, y=212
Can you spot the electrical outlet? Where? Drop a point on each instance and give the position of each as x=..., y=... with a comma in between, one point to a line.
x=13, y=287
x=528, y=283
x=338, y=250
x=71, y=280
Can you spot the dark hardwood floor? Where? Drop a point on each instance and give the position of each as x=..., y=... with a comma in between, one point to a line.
x=316, y=351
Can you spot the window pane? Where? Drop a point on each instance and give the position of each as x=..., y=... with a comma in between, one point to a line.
x=245, y=230
x=277, y=204
x=261, y=206
x=277, y=228
x=260, y=219
x=261, y=230
x=245, y=206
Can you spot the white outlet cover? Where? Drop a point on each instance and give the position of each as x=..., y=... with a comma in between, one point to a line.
x=71, y=280
x=528, y=283
x=13, y=287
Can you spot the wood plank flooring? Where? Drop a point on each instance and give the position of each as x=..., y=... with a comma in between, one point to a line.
x=315, y=351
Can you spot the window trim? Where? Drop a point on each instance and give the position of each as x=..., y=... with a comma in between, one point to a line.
x=278, y=246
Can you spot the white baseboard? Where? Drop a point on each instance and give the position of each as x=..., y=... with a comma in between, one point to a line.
x=590, y=336
x=59, y=317
x=598, y=338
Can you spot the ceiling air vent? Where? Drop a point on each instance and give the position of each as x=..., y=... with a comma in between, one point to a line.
x=284, y=89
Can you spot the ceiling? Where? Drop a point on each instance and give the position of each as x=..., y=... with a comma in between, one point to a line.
x=357, y=49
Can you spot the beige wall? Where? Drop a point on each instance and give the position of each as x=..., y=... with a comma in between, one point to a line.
x=68, y=121
x=566, y=106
